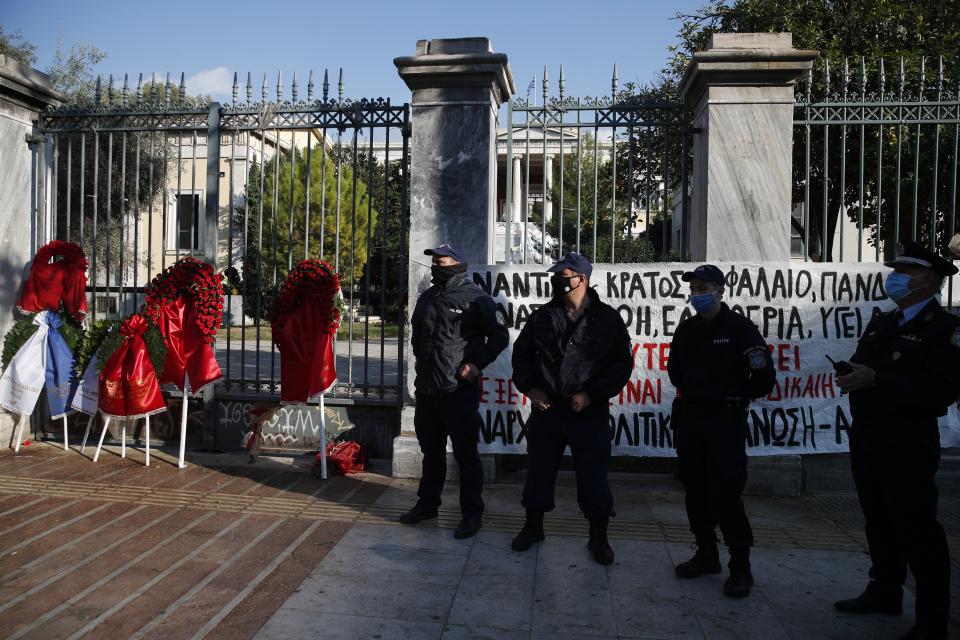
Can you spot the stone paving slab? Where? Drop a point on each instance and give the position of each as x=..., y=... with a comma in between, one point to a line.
x=223, y=549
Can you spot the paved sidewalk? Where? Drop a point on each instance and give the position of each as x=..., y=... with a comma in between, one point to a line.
x=224, y=549
x=419, y=582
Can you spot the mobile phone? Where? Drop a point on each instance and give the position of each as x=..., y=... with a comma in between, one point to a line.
x=842, y=368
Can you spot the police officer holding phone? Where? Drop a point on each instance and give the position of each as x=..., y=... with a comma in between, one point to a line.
x=904, y=374
x=719, y=362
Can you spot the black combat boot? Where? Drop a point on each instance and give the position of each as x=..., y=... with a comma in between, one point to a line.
x=531, y=533
x=705, y=560
x=419, y=512
x=876, y=598
x=740, y=582
x=598, y=543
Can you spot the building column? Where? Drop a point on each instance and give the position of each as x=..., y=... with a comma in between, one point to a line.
x=548, y=188
x=741, y=92
x=458, y=86
x=517, y=188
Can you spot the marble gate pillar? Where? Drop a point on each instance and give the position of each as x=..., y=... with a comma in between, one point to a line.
x=458, y=85
x=740, y=90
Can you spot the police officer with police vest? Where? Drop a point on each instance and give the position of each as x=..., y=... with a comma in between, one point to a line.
x=571, y=357
x=904, y=374
x=718, y=362
x=455, y=334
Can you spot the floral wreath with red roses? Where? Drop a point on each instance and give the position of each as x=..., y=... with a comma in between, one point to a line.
x=194, y=280
x=310, y=280
x=69, y=252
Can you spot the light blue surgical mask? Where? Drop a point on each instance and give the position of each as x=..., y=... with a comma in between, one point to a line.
x=897, y=286
x=703, y=302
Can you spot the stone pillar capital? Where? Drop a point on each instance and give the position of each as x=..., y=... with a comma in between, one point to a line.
x=456, y=63
x=26, y=87
x=746, y=59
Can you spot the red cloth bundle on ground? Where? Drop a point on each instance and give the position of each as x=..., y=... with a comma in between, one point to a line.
x=344, y=457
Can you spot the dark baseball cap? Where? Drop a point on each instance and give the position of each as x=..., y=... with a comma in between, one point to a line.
x=705, y=272
x=446, y=249
x=914, y=253
x=575, y=261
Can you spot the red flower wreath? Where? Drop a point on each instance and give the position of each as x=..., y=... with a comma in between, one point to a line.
x=194, y=280
x=311, y=280
x=58, y=277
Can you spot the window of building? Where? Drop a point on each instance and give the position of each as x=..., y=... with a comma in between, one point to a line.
x=184, y=229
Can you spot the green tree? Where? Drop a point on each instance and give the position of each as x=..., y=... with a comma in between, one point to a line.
x=14, y=46
x=277, y=241
x=865, y=30
x=616, y=226
x=71, y=72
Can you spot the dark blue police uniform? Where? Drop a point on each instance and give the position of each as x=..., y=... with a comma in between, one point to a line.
x=717, y=366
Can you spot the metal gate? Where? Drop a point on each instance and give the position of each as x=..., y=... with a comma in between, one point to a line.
x=605, y=176
x=142, y=177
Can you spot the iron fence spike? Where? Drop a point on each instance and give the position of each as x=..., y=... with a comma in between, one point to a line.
x=939, y=77
x=902, y=78
x=826, y=78
x=846, y=77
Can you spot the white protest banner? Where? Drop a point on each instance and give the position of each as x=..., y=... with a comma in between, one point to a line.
x=805, y=311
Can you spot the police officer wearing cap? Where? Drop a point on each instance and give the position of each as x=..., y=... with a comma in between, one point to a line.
x=455, y=334
x=904, y=374
x=570, y=358
x=718, y=362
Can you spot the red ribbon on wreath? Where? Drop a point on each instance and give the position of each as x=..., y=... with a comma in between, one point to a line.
x=186, y=304
x=128, y=382
x=58, y=277
x=306, y=317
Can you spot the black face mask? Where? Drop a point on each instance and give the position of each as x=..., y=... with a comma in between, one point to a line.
x=442, y=275
x=561, y=285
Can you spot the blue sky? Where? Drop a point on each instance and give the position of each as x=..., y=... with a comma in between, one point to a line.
x=208, y=41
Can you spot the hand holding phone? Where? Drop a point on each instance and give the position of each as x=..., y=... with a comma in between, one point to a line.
x=842, y=368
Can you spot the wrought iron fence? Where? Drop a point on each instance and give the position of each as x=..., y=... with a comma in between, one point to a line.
x=875, y=157
x=605, y=176
x=142, y=177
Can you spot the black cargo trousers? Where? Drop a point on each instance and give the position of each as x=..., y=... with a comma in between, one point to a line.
x=712, y=465
x=455, y=415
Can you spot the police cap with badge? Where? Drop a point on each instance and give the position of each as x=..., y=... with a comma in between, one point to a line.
x=915, y=254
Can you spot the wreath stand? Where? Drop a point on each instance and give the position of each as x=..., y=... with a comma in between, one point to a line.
x=123, y=438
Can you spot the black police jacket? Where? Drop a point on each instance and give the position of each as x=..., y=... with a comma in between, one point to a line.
x=917, y=365
x=595, y=358
x=725, y=358
x=453, y=325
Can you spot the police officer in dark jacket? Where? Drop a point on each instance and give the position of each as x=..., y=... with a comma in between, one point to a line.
x=455, y=335
x=571, y=357
x=904, y=375
x=718, y=362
